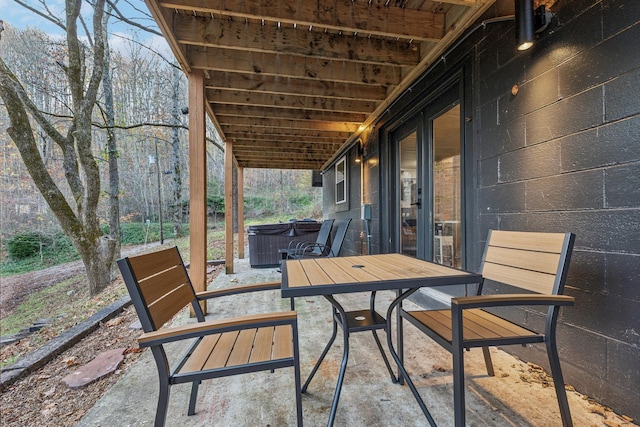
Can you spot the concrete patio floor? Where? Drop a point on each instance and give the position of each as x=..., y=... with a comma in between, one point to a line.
x=514, y=397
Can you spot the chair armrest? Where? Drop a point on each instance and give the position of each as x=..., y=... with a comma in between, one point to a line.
x=478, y=301
x=325, y=249
x=193, y=330
x=235, y=290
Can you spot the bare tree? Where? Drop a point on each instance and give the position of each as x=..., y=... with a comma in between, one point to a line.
x=83, y=69
x=175, y=150
x=112, y=144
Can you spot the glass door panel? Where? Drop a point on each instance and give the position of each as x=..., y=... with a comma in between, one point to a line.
x=410, y=196
x=447, y=206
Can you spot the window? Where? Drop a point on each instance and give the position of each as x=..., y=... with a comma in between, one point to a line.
x=341, y=181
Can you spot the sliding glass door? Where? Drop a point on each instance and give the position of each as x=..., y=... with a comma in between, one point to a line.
x=428, y=175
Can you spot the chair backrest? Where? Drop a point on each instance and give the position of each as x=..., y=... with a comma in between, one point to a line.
x=537, y=262
x=323, y=236
x=338, y=239
x=159, y=286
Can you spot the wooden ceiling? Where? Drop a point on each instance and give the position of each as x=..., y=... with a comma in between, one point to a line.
x=289, y=82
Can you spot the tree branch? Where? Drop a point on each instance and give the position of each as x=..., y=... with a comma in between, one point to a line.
x=123, y=18
x=48, y=16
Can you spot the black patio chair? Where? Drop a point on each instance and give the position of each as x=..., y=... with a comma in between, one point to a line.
x=534, y=266
x=295, y=246
x=160, y=288
x=311, y=250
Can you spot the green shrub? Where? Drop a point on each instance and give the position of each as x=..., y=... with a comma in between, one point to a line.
x=137, y=233
x=25, y=245
x=56, y=249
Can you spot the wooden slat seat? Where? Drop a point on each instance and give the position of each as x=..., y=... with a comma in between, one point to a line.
x=160, y=288
x=479, y=326
x=535, y=263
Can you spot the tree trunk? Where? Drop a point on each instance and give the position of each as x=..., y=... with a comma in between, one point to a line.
x=175, y=148
x=112, y=153
x=79, y=216
x=98, y=256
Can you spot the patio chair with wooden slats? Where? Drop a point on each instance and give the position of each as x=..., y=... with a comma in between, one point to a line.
x=535, y=263
x=160, y=288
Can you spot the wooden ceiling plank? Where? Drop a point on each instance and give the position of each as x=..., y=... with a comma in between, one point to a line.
x=289, y=101
x=294, y=66
x=280, y=164
x=246, y=154
x=239, y=136
x=316, y=155
x=271, y=130
x=293, y=125
x=241, y=36
x=347, y=16
x=277, y=147
x=346, y=120
x=277, y=85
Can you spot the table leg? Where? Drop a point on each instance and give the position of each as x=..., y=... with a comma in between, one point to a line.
x=322, y=356
x=403, y=373
x=338, y=310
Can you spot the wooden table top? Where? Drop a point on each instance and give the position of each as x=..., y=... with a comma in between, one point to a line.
x=336, y=275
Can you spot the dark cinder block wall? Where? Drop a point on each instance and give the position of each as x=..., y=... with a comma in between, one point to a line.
x=563, y=154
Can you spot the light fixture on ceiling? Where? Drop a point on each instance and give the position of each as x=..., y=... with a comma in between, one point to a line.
x=524, y=24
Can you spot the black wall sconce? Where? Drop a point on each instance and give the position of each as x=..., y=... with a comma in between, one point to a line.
x=359, y=151
x=529, y=22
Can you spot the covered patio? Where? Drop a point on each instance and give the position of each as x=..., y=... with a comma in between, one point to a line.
x=519, y=394
x=289, y=84
x=546, y=140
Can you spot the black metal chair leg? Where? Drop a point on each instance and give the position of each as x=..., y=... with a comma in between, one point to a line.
x=458, y=387
x=163, y=404
x=193, y=398
x=297, y=376
x=558, y=383
x=487, y=361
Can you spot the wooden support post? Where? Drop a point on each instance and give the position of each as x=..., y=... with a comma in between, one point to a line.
x=228, y=207
x=240, y=213
x=197, y=184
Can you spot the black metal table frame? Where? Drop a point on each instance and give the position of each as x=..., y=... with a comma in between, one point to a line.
x=404, y=288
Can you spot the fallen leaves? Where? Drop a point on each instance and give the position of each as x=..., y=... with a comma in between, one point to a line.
x=115, y=322
x=70, y=361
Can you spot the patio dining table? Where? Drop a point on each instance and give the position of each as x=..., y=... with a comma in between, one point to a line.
x=351, y=274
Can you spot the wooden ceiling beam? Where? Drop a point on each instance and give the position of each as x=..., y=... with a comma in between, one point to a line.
x=293, y=125
x=246, y=136
x=278, y=85
x=283, y=145
x=280, y=163
x=294, y=66
x=241, y=36
x=302, y=133
x=343, y=121
x=219, y=96
x=247, y=154
x=376, y=18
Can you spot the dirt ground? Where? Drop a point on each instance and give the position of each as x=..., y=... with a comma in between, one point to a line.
x=41, y=399
x=13, y=289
